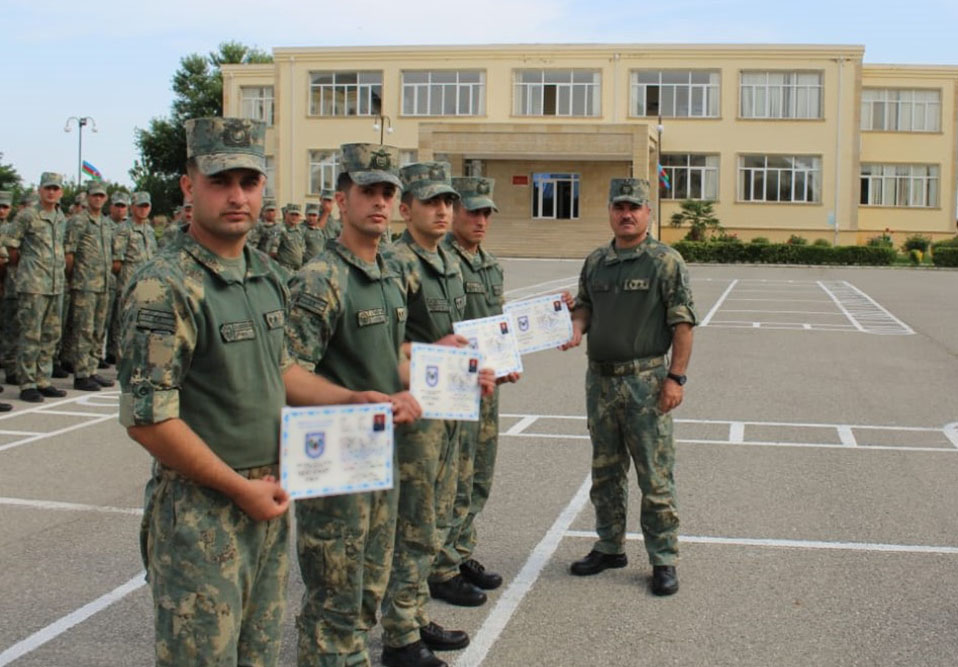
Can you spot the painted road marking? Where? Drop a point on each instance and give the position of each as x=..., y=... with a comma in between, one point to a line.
x=103, y=400
x=69, y=507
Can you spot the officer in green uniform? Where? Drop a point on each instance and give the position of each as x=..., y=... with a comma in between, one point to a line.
x=483, y=279
x=289, y=244
x=347, y=324
x=89, y=261
x=119, y=207
x=35, y=246
x=635, y=302
x=268, y=229
x=9, y=333
x=429, y=449
x=134, y=243
x=204, y=376
x=315, y=235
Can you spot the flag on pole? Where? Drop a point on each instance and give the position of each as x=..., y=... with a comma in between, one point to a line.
x=92, y=171
x=664, y=178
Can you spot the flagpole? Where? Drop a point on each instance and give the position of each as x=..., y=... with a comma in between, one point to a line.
x=81, y=122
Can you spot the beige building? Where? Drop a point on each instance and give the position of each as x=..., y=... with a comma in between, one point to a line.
x=784, y=140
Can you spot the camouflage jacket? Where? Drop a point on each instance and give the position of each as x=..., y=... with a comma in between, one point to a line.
x=39, y=237
x=290, y=246
x=133, y=245
x=315, y=241
x=267, y=236
x=482, y=277
x=9, y=284
x=90, y=239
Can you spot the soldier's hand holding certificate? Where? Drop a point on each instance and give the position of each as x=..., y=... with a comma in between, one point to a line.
x=336, y=449
x=494, y=337
x=542, y=323
x=445, y=381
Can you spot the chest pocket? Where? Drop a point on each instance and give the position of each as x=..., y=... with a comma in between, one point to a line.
x=601, y=286
x=636, y=285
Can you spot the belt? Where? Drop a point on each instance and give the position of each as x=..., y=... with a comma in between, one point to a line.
x=621, y=368
x=259, y=472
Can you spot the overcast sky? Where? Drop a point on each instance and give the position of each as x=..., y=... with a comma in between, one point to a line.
x=114, y=59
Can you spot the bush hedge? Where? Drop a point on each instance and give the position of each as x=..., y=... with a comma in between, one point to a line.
x=784, y=253
x=945, y=255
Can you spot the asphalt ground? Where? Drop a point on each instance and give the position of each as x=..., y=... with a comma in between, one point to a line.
x=816, y=458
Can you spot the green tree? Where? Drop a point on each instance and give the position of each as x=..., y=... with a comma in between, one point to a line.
x=198, y=91
x=700, y=218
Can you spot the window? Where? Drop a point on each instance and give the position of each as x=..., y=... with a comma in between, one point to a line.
x=443, y=93
x=270, y=189
x=781, y=94
x=901, y=110
x=555, y=196
x=345, y=93
x=323, y=170
x=905, y=185
x=556, y=92
x=408, y=156
x=675, y=93
x=256, y=103
x=780, y=178
x=472, y=168
x=690, y=176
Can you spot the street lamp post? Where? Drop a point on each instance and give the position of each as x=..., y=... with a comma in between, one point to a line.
x=383, y=124
x=81, y=122
x=658, y=165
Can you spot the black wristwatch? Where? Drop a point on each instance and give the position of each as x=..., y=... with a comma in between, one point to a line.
x=679, y=379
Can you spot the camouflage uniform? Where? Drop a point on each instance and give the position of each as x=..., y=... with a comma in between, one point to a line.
x=40, y=283
x=347, y=322
x=315, y=235
x=9, y=332
x=254, y=235
x=267, y=236
x=133, y=244
x=204, y=342
x=428, y=449
x=483, y=279
x=90, y=239
x=289, y=245
x=113, y=317
x=649, y=286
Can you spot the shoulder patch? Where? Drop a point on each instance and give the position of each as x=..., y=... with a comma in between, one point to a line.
x=313, y=304
x=155, y=320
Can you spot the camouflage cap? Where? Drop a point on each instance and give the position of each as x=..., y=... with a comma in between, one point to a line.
x=120, y=197
x=6, y=198
x=95, y=188
x=291, y=208
x=476, y=193
x=141, y=198
x=268, y=204
x=635, y=190
x=327, y=194
x=367, y=164
x=219, y=144
x=49, y=178
x=312, y=207
x=425, y=180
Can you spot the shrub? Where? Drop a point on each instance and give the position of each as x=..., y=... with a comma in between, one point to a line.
x=916, y=242
x=947, y=243
x=700, y=217
x=880, y=241
x=760, y=240
x=945, y=255
x=795, y=239
x=784, y=253
x=728, y=238
x=822, y=243
x=914, y=256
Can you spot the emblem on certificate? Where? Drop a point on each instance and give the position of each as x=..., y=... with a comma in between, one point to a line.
x=445, y=381
x=542, y=323
x=494, y=337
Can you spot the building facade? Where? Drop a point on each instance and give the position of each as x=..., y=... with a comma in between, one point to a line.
x=784, y=140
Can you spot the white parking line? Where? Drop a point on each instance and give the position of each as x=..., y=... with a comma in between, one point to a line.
x=718, y=304
x=69, y=507
x=554, y=281
x=96, y=419
x=521, y=425
x=57, y=628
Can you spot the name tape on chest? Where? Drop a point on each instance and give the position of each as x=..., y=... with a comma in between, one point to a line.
x=437, y=305
x=636, y=285
x=234, y=332
x=475, y=288
x=365, y=318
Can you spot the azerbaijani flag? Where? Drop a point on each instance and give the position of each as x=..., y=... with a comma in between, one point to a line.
x=92, y=171
x=664, y=178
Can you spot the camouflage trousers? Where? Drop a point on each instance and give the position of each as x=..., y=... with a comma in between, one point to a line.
x=626, y=426
x=39, y=320
x=477, y=459
x=61, y=352
x=84, y=345
x=218, y=577
x=113, y=329
x=345, y=547
x=428, y=453
x=9, y=334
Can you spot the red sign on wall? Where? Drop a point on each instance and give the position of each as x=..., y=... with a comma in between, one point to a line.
x=520, y=180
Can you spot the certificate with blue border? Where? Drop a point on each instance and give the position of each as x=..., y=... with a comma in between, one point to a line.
x=445, y=381
x=495, y=338
x=542, y=323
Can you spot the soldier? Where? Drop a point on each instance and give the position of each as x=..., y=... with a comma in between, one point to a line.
x=269, y=229
x=119, y=207
x=9, y=332
x=255, y=234
x=428, y=449
x=204, y=376
x=347, y=323
x=635, y=302
x=4, y=258
x=289, y=244
x=177, y=226
x=134, y=243
x=483, y=280
x=315, y=235
x=35, y=245
x=89, y=262
x=331, y=225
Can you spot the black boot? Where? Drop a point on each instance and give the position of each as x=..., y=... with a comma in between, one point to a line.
x=51, y=391
x=438, y=638
x=86, y=384
x=416, y=654
x=473, y=572
x=457, y=591
x=664, y=580
x=597, y=562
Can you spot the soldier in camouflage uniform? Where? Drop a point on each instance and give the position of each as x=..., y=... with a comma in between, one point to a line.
x=347, y=324
x=631, y=387
x=268, y=229
x=428, y=450
x=331, y=225
x=134, y=243
x=89, y=260
x=204, y=376
x=315, y=235
x=9, y=332
x=483, y=279
x=119, y=207
x=35, y=245
x=289, y=244
x=178, y=225
x=256, y=233
x=5, y=199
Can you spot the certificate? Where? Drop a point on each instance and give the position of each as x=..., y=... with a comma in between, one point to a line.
x=336, y=449
x=542, y=323
x=445, y=381
x=495, y=338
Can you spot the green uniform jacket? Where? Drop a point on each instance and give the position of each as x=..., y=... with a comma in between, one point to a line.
x=90, y=239
x=39, y=236
x=9, y=279
x=291, y=246
x=315, y=241
x=133, y=245
x=482, y=278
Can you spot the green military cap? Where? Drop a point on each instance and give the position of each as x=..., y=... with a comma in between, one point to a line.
x=219, y=144
x=312, y=207
x=635, y=190
x=6, y=198
x=120, y=197
x=371, y=163
x=327, y=194
x=95, y=188
x=141, y=197
x=291, y=208
x=476, y=193
x=48, y=178
x=426, y=180
x=268, y=204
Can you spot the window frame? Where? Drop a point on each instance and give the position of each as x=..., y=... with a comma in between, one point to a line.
x=870, y=106
x=265, y=114
x=332, y=161
x=523, y=92
x=788, y=98
x=703, y=172
x=813, y=184
x=476, y=92
x=884, y=183
x=367, y=100
x=711, y=93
